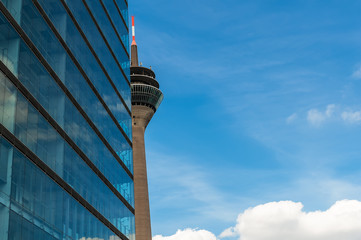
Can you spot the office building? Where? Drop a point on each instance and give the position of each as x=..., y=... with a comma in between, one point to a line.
x=66, y=167
x=146, y=98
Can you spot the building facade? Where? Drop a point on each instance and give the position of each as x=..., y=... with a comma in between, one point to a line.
x=66, y=167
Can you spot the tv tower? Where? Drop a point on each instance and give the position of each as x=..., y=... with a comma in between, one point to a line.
x=146, y=98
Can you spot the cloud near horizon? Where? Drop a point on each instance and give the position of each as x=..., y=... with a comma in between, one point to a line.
x=188, y=234
x=287, y=220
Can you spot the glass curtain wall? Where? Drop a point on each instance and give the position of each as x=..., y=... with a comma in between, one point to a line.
x=65, y=123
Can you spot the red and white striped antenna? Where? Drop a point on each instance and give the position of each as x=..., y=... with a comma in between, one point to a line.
x=133, y=32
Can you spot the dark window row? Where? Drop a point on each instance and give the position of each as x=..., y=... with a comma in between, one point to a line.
x=145, y=94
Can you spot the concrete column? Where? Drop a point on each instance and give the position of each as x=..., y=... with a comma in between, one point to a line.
x=141, y=116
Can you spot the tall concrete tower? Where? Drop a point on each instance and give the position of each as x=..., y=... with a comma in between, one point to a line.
x=146, y=98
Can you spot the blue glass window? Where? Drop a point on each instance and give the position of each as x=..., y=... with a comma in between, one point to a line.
x=37, y=134
x=43, y=87
x=93, y=35
x=119, y=22
x=41, y=209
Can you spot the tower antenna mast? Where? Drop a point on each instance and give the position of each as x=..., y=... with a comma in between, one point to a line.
x=133, y=32
x=133, y=48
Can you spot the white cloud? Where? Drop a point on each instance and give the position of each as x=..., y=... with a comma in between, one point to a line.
x=291, y=118
x=351, y=117
x=287, y=220
x=316, y=117
x=188, y=234
x=357, y=73
x=229, y=232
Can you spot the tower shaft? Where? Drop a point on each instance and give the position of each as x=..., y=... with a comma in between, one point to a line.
x=134, y=56
x=141, y=116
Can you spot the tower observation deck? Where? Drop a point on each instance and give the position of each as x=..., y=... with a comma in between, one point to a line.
x=146, y=98
x=145, y=88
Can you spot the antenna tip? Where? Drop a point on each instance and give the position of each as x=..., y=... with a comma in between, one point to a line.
x=133, y=32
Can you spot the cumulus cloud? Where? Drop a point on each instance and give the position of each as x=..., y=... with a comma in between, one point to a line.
x=229, y=232
x=287, y=220
x=188, y=234
x=316, y=117
x=351, y=117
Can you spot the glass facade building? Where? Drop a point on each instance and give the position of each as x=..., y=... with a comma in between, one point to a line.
x=66, y=167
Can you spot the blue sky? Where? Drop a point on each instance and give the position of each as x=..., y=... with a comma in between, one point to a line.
x=262, y=104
